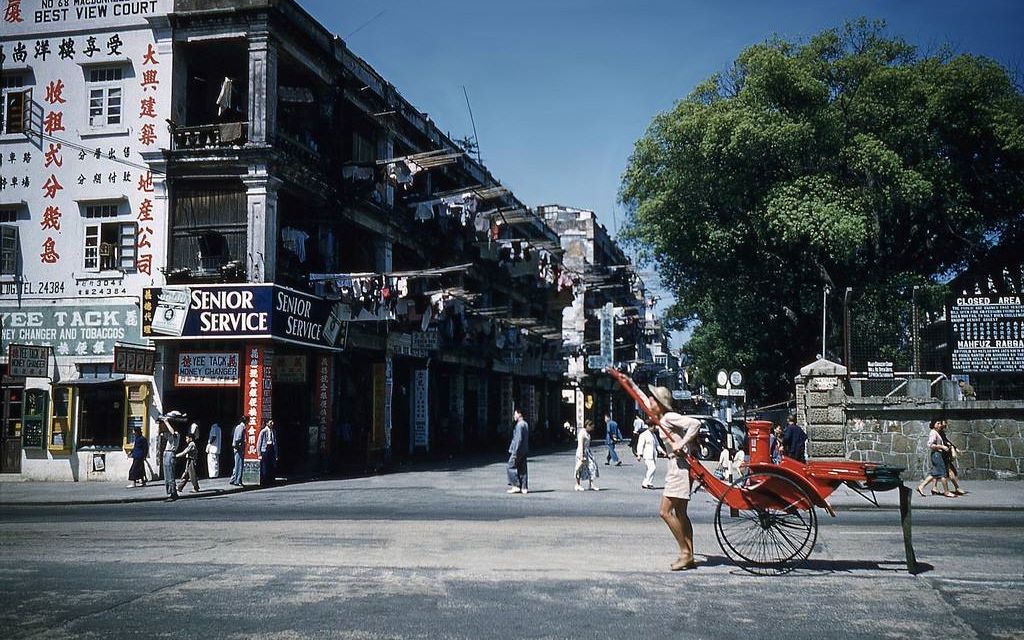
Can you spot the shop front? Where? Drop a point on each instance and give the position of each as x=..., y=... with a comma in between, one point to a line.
x=235, y=349
x=67, y=411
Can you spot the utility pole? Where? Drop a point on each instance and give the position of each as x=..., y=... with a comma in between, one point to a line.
x=824, y=317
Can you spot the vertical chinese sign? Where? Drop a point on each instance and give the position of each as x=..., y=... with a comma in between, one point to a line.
x=421, y=408
x=254, y=361
x=148, y=117
x=323, y=402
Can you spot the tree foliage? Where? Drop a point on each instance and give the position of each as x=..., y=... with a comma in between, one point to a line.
x=851, y=159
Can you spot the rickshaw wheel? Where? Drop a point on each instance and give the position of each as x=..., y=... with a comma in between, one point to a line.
x=770, y=540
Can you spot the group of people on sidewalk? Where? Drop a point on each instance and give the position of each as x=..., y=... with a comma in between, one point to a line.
x=172, y=452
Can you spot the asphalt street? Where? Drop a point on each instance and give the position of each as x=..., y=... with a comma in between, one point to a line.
x=443, y=552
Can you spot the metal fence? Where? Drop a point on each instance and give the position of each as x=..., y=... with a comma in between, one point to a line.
x=907, y=325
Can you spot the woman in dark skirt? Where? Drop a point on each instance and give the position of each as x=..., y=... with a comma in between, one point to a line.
x=140, y=449
x=937, y=450
x=949, y=458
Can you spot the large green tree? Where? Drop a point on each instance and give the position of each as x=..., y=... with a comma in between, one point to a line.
x=850, y=159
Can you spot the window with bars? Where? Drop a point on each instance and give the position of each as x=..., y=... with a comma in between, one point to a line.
x=8, y=250
x=110, y=246
x=101, y=210
x=105, y=93
x=15, y=102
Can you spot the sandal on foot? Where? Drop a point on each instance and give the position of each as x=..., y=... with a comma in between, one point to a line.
x=949, y=494
x=918, y=489
x=960, y=492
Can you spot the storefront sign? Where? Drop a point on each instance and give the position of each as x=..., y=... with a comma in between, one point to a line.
x=25, y=361
x=134, y=360
x=428, y=340
x=323, y=401
x=290, y=368
x=207, y=369
x=421, y=408
x=987, y=333
x=389, y=388
x=257, y=397
x=377, y=435
x=83, y=331
x=237, y=312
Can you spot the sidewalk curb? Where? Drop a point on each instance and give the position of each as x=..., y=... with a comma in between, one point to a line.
x=210, y=493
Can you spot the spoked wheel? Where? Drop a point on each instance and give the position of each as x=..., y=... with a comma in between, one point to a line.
x=775, y=532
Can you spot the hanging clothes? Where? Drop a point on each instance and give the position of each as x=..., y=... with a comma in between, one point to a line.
x=224, y=98
x=294, y=240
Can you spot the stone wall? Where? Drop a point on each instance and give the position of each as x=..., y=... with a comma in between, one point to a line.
x=989, y=435
x=894, y=430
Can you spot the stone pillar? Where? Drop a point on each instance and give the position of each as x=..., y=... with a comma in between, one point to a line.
x=261, y=232
x=262, y=111
x=821, y=409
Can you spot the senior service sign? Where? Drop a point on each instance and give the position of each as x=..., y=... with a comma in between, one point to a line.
x=235, y=312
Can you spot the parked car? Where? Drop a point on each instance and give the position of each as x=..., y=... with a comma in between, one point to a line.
x=712, y=437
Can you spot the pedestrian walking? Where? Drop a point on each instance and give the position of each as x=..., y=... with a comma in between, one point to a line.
x=191, y=455
x=938, y=470
x=213, y=448
x=518, y=449
x=586, y=466
x=648, y=448
x=730, y=461
x=171, y=440
x=639, y=427
x=238, y=447
x=612, y=435
x=949, y=456
x=140, y=449
x=267, y=446
x=676, y=495
x=775, y=447
x=794, y=440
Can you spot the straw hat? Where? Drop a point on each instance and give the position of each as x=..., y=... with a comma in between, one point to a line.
x=662, y=395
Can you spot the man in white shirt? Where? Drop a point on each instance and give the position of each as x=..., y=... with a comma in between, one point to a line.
x=647, y=449
x=213, y=447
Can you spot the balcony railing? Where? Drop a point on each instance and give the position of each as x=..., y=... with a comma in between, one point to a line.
x=210, y=136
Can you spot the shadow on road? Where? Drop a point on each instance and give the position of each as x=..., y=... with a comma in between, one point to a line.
x=818, y=567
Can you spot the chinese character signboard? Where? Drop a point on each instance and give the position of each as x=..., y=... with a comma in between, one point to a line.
x=134, y=360
x=25, y=361
x=421, y=408
x=207, y=369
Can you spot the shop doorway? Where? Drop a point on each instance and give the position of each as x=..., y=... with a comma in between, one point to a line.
x=101, y=415
x=206, y=406
x=11, y=429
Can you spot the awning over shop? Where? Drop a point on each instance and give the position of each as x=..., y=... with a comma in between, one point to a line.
x=91, y=382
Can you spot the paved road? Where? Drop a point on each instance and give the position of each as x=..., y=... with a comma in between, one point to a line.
x=444, y=553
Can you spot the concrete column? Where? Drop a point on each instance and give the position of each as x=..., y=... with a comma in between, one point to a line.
x=383, y=250
x=261, y=232
x=262, y=111
x=386, y=151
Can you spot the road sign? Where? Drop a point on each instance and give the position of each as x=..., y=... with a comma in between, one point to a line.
x=731, y=392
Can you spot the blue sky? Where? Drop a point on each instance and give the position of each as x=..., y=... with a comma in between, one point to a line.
x=562, y=89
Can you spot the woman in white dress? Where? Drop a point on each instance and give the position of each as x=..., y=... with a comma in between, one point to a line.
x=676, y=496
x=586, y=466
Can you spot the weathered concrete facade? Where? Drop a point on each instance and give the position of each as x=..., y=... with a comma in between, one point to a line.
x=894, y=429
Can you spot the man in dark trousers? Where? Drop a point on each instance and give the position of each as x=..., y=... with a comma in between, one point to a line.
x=517, y=452
x=794, y=441
x=612, y=435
